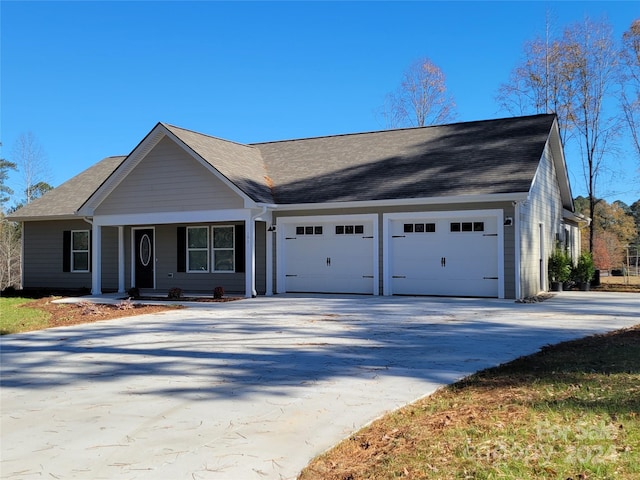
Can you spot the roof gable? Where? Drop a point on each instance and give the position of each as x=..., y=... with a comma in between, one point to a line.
x=201, y=148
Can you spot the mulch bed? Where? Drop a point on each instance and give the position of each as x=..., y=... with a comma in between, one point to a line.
x=187, y=299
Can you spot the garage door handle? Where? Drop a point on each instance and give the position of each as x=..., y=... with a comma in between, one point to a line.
x=368, y=237
x=398, y=276
x=367, y=276
x=398, y=236
x=328, y=261
x=291, y=275
x=489, y=234
x=490, y=278
x=443, y=262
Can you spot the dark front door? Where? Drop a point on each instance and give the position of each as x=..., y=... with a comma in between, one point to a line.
x=145, y=258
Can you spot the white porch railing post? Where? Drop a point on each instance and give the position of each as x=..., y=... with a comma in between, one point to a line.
x=96, y=257
x=120, y=259
x=250, y=258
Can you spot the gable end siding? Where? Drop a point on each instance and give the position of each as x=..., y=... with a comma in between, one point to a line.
x=169, y=180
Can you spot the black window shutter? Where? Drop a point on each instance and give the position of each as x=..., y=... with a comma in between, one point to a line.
x=66, y=251
x=240, y=249
x=90, y=246
x=181, y=242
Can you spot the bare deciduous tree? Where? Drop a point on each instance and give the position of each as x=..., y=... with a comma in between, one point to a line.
x=10, y=253
x=591, y=62
x=539, y=84
x=572, y=76
x=630, y=82
x=421, y=98
x=29, y=155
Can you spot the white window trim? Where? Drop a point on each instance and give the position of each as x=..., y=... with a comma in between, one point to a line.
x=87, y=251
x=214, y=249
x=198, y=249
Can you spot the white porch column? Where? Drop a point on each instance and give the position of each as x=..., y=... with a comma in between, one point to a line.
x=96, y=259
x=269, y=260
x=250, y=258
x=120, y=259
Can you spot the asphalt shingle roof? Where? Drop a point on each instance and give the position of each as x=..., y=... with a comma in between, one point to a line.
x=471, y=158
x=63, y=201
x=241, y=164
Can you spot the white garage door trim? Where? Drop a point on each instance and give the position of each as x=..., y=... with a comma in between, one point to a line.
x=387, y=218
x=282, y=222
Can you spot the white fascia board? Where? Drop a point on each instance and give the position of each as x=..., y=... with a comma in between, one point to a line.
x=159, y=218
x=498, y=197
x=42, y=218
x=575, y=217
x=444, y=214
x=560, y=165
x=372, y=217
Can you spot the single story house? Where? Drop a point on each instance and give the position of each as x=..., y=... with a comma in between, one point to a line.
x=465, y=209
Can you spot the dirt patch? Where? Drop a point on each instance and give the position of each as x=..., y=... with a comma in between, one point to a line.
x=618, y=287
x=63, y=314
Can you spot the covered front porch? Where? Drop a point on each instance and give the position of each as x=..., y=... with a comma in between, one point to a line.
x=193, y=251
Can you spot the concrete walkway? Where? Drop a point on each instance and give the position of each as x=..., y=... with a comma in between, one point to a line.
x=254, y=389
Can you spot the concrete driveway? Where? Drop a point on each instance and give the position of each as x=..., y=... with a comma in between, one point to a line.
x=254, y=389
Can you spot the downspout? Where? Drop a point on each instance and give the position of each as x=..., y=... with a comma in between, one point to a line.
x=517, y=249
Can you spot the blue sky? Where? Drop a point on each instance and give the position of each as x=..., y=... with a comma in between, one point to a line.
x=91, y=79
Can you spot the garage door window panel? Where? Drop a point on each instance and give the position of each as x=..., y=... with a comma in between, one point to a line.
x=419, y=228
x=349, y=229
x=309, y=230
x=467, y=227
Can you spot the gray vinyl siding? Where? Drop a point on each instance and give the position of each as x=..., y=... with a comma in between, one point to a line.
x=543, y=207
x=509, y=235
x=43, y=254
x=109, y=262
x=261, y=257
x=169, y=180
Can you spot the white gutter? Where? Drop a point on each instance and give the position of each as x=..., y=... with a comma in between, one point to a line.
x=499, y=197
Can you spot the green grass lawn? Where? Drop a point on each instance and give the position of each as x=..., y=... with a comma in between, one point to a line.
x=14, y=318
x=571, y=411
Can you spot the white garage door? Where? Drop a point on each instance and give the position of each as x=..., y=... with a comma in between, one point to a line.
x=329, y=257
x=455, y=256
